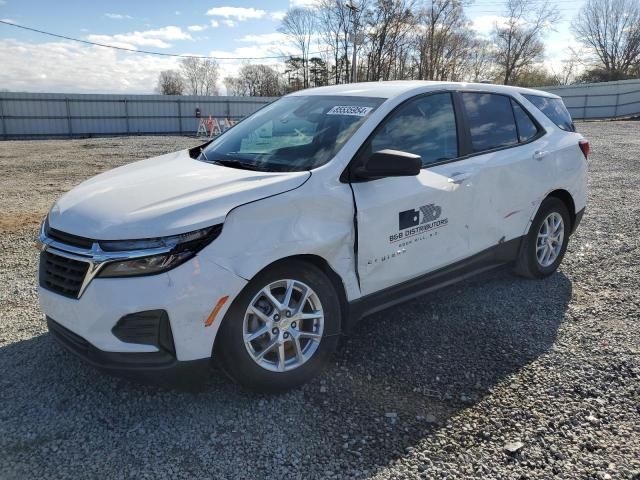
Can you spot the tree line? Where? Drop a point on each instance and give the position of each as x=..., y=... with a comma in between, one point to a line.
x=434, y=40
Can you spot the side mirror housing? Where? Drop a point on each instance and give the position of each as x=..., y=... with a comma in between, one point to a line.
x=388, y=163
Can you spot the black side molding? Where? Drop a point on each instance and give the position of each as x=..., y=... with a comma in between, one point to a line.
x=500, y=254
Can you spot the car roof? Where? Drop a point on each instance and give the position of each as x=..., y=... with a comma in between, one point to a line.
x=396, y=88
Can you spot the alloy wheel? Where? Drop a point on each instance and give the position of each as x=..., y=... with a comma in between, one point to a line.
x=283, y=325
x=550, y=239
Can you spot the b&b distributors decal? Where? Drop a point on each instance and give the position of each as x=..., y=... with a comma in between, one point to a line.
x=416, y=221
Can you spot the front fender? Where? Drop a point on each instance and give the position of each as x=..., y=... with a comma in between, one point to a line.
x=314, y=219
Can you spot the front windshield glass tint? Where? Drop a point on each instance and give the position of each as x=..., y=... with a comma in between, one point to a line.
x=292, y=134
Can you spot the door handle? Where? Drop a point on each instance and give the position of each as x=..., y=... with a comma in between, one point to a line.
x=458, y=177
x=540, y=154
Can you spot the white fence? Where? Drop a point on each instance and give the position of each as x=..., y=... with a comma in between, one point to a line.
x=606, y=100
x=33, y=115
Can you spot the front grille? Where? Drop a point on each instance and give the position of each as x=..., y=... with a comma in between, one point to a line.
x=69, y=239
x=62, y=275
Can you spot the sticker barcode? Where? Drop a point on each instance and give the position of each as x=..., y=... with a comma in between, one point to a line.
x=349, y=110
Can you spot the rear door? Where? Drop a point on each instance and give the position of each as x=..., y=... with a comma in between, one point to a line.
x=408, y=226
x=511, y=160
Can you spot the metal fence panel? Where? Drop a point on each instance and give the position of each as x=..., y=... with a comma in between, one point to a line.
x=28, y=115
x=606, y=100
x=32, y=115
x=15, y=127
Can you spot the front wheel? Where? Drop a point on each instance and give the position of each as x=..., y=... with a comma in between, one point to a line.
x=546, y=243
x=281, y=329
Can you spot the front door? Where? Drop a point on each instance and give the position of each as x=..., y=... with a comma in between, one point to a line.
x=409, y=226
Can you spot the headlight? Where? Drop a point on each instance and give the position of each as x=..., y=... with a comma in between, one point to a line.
x=164, y=253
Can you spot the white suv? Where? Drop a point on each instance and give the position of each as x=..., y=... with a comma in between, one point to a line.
x=261, y=247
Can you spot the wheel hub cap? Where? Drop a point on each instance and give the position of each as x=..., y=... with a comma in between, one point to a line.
x=283, y=325
x=550, y=239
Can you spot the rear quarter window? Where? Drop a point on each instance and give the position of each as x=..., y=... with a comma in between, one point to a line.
x=554, y=109
x=527, y=129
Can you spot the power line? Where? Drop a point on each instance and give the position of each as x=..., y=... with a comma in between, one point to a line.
x=147, y=52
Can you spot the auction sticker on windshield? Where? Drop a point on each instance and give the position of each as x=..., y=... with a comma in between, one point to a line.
x=349, y=110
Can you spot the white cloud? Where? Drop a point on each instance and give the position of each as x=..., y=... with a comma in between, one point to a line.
x=279, y=15
x=197, y=28
x=117, y=16
x=158, y=38
x=72, y=67
x=215, y=23
x=563, y=43
x=237, y=13
x=483, y=24
x=229, y=23
x=275, y=38
x=178, y=12
x=9, y=20
x=303, y=3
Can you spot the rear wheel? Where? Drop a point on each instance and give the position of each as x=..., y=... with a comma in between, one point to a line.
x=281, y=329
x=546, y=242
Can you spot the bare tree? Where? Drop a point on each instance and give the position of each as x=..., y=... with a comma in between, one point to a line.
x=339, y=24
x=256, y=81
x=518, y=41
x=610, y=29
x=566, y=74
x=535, y=76
x=170, y=83
x=389, y=24
x=299, y=25
x=481, y=67
x=200, y=76
x=405, y=39
x=441, y=39
x=331, y=27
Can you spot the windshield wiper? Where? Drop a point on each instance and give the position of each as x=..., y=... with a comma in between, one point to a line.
x=239, y=164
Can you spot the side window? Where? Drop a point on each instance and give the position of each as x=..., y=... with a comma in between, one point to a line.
x=554, y=109
x=491, y=121
x=526, y=128
x=425, y=126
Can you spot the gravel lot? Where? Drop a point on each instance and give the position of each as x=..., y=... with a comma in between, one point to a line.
x=497, y=377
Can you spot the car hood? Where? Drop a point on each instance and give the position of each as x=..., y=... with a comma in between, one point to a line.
x=162, y=196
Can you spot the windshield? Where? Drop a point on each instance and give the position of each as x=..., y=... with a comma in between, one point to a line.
x=292, y=134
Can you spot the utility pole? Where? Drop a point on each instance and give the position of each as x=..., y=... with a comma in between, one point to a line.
x=352, y=13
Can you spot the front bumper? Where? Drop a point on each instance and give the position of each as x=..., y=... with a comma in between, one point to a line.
x=77, y=345
x=187, y=294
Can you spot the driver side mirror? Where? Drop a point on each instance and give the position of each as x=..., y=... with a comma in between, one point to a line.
x=388, y=163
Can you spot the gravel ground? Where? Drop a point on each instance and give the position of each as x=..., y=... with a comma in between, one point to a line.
x=497, y=377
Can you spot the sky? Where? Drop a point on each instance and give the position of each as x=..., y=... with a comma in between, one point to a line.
x=222, y=28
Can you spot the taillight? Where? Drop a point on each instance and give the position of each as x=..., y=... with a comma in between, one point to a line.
x=584, y=146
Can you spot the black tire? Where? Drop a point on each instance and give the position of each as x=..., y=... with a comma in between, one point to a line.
x=527, y=264
x=231, y=352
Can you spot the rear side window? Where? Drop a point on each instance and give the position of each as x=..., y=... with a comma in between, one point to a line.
x=554, y=109
x=527, y=129
x=491, y=121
